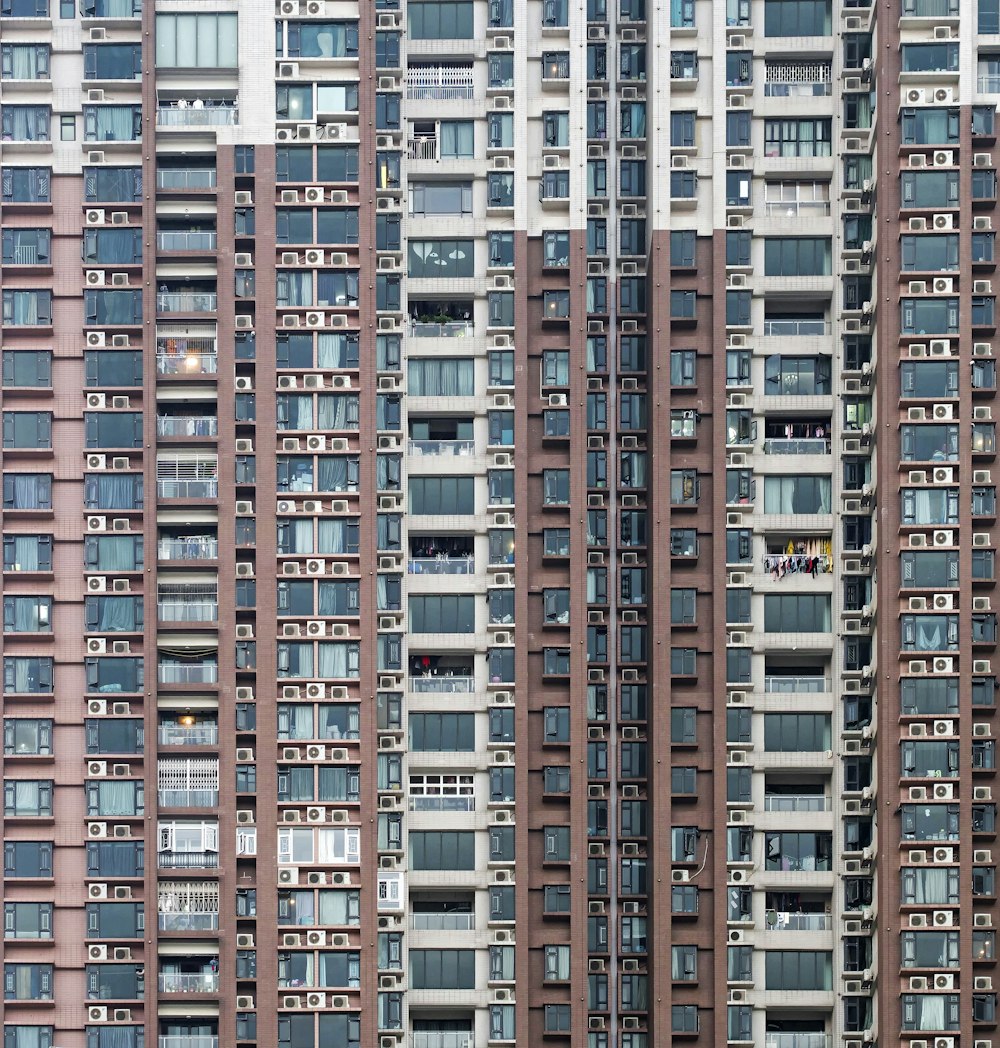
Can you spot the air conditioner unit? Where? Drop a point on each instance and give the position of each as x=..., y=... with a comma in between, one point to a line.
x=944, y=221
x=943, y=285
x=245, y=1002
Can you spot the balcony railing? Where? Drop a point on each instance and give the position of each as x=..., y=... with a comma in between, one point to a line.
x=189, y=364
x=795, y=328
x=803, y=446
x=797, y=1040
x=188, y=603
x=778, y=565
x=193, y=548
x=443, y=922
x=184, y=240
x=442, y=566
x=189, y=922
x=198, y=982
x=442, y=1039
x=213, y=116
x=187, y=302
x=449, y=685
x=442, y=804
x=797, y=685
x=989, y=84
x=187, y=426
x=187, y=1041
x=443, y=329
x=439, y=82
x=782, y=921
x=188, y=798
x=188, y=672
x=188, y=860
x=441, y=447
x=797, y=89
x=186, y=178
x=796, y=802
x=797, y=208
x=424, y=147
x=187, y=489
x=181, y=735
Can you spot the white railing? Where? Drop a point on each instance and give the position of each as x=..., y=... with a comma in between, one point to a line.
x=180, y=1040
x=439, y=82
x=186, y=240
x=189, y=364
x=424, y=147
x=443, y=684
x=198, y=982
x=186, y=178
x=781, y=921
x=212, y=116
x=441, y=447
x=434, y=803
x=196, y=735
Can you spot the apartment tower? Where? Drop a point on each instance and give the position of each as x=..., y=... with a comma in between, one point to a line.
x=499, y=523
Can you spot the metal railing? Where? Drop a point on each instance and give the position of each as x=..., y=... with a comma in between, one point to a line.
x=795, y=328
x=175, y=1040
x=441, y=447
x=187, y=301
x=188, y=672
x=433, y=803
x=182, y=982
x=212, y=116
x=442, y=329
x=193, y=548
x=989, y=84
x=796, y=802
x=799, y=922
x=187, y=860
x=450, y=685
x=189, y=364
x=797, y=1040
x=186, y=178
x=779, y=89
x=424, y=147
x=187, y=489
x=793, y=446
x=442, y=566
x=797, y=208
x=177, y=610
x=441, y=1039
x=193, y=735
x=443, y=922
x=187, y=426
x=187, y=240
x=189, y=922
x=439, y=82
x=188, y=798
x=800, y=685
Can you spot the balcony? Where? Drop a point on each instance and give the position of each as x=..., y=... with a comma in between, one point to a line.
x=180, y=1040
x=989, y=84
x=442, y=565
x=186, y=178
x=450, y=685
x=187, y=671
x=422, y=147
x=441, y=1039
x=188, y=547
x=441, y=329
x=787, y=328
x=187, y=860
x=186, y=302
x=185, y=982
x=186, y=240
x=782, y=685
x=179, y=354
x=796, y=802
x=443, y=803
x=443, y=922
x=192, y=478
x=439, y=83
x=189, y=922
x=785, y=921
x=797, y=79
x=188, y=735
x=187, y=426
x=797, y=1040
x=183, y=603
x=441, y=447
x=181, y=114
x=193, y=798
x=793, y=446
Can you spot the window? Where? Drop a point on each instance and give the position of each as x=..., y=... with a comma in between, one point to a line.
x=927, y=126
x=797, y=256
x=442, y=850
x=28, y=982
x=796, y=613
x=442, y=614
x=318, y=39
x=797, y=732
x=28, y=859
x=802, y=138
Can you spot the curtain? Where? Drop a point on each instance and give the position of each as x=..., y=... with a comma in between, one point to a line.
x=295, y=289
x=27, y=797
x=929, y=634
x=304, y=907
x=30, y=614
x=333, y=908
x=333, y=473
x=930, y=886
x=441, y=378
x=25, y=307
x=333, y=351
x=931, y=1015
x=382, y=591
x=333, y=660
x=117, y=860
x=457, y=138
x=24, y=62
x=26, y=491
x=117, y=553
x=24, y=124
x=114, y=123
x=114, y=493
x=339, y=722
x=116, y=798
x=299, y=721
x=296, y=536
x=117, y=615
x=298, y=411
x=337, y=411
x=26, y=552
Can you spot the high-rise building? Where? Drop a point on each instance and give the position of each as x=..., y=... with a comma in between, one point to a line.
x=499, y=505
